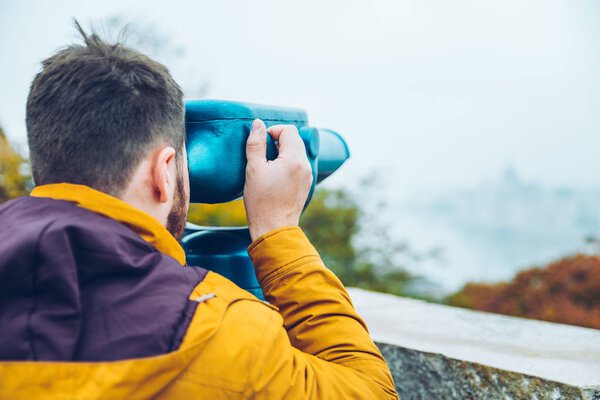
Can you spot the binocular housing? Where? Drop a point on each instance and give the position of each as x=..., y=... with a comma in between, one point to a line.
x=217, y=132
x=216, y=145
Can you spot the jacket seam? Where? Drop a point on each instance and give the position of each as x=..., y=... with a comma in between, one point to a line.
x=269, y=235
x=184, y=377
x=184, y=319
x=360, y=360
x=283, y=270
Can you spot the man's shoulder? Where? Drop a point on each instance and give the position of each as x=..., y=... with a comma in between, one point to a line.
x=26, y=220
x=232, y=305
x=242, y=318
x=39, y=230
x=239, y=327
x=46, y=211
x=38, y=216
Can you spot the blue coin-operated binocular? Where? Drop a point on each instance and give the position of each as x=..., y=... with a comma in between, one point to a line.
x=216, y=145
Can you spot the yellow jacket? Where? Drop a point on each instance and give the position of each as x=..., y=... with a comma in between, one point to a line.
x=308, y=343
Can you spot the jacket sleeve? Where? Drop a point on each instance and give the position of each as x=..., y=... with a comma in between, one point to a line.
x=324, y=349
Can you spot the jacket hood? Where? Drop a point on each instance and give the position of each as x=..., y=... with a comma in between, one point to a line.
x=84, y=287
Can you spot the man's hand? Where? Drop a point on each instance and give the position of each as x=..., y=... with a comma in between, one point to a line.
x=275, y=191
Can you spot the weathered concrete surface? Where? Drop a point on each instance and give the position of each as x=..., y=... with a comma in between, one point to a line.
x=440, y=352
x=421, y=375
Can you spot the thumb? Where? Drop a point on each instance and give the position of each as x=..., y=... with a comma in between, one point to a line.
x=256, y=146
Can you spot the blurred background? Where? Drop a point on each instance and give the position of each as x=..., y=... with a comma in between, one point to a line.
x=473, y=126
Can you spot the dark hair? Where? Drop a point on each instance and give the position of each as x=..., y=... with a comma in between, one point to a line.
x=94, y=112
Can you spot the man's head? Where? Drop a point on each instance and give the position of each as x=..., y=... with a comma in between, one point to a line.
x=109, y=117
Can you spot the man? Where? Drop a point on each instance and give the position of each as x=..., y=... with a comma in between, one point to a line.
x=96, y=300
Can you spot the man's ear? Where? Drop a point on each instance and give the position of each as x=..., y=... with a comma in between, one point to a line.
x=163, y=180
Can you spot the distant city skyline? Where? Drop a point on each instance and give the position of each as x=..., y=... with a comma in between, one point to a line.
x=432, y=94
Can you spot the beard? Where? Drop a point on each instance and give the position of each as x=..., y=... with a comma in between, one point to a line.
x=178, y=215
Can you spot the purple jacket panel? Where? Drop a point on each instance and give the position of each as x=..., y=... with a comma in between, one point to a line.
x=77, y=286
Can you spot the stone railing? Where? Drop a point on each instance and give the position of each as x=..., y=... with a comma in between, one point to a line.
x=441, y=352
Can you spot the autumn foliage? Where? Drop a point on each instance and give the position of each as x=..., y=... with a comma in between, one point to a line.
x=566, y=291
x=224, y=214
x=13, y=178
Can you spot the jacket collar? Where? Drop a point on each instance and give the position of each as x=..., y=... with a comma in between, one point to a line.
x=101, y=203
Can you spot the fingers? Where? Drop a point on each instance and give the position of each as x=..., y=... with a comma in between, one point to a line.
x=289, y=141
x=256, y=146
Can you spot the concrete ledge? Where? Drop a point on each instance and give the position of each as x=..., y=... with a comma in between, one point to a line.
x=439, y=352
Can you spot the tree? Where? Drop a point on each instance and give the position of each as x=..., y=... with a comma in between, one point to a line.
x=354, y=243
x=14, y=178
x=566, y=291
x=334, y=222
